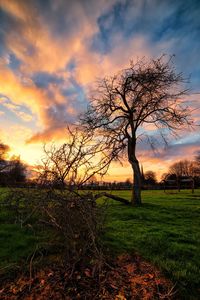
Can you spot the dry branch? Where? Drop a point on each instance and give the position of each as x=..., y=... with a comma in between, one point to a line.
x=111, y=196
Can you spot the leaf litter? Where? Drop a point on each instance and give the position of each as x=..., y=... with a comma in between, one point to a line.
x=123, y=278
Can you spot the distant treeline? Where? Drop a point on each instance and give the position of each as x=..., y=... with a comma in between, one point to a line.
x=13, y=172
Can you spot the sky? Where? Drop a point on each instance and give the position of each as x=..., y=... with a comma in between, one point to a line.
x=52, y=52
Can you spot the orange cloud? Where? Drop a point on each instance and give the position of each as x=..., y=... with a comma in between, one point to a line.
x=35, y=44
x=47, y=135
x=22, y=93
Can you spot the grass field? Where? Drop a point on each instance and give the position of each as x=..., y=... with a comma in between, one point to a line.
x=165, y=231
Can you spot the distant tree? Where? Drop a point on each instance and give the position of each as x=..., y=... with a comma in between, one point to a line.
x=4, y=149
x=146, y=93
x=164, y=176
x=128, y=182
x=170, y=176
x=197, y=157
x=182, y=168
x=197, y=169
x=17, y=171
x=12, y=170
x=197, y=163
x=150, y=178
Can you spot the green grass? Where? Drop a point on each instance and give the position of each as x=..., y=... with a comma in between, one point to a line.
x=17, y=243
x=165, y=231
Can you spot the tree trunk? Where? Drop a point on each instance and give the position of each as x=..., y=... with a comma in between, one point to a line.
x=136, y=190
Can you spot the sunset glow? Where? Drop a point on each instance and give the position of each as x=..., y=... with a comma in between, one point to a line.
x=51, y=53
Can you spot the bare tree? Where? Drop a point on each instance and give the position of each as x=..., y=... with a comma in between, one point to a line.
x=146, y=93
x=183, y=168
x=17, y=171
x=150, y=177
x=75, y=162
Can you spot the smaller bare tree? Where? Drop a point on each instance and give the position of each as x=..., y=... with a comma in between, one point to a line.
x=75, y=162
x=74, y=216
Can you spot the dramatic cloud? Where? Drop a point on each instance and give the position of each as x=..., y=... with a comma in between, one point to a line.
x=51, y=53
